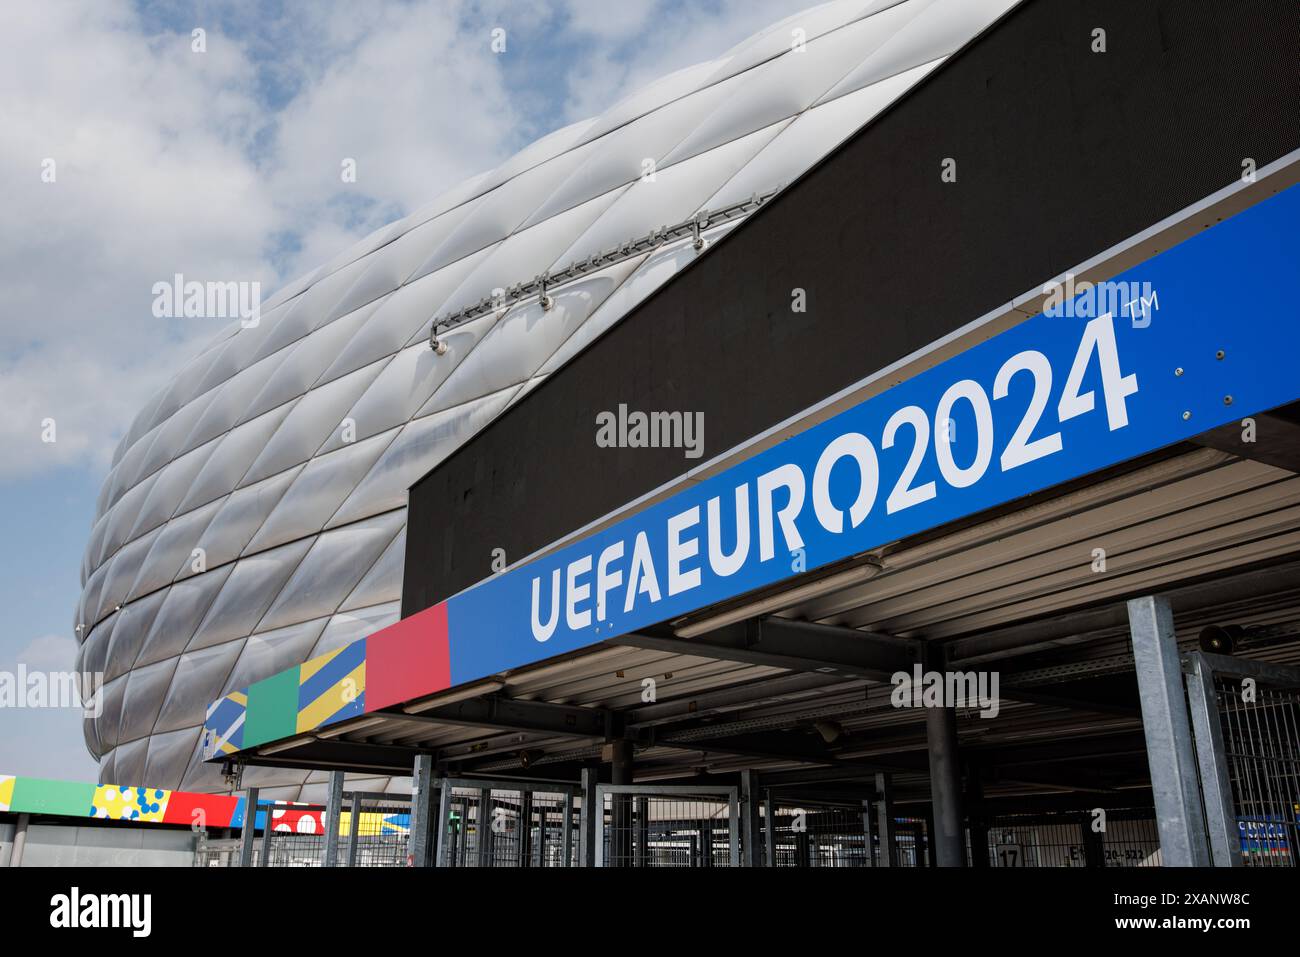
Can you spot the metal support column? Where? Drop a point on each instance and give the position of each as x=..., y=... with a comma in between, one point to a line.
x=524, y=823
x=268, y=829
x=975, y=814
x=419, y=848
x=621, y=825
x=1168, y=734
x=1216, y=788
x=566, y=838
x=20, y=840
x=641, y=848
x=590, y=820
x=354, y=828
x=946, y=836
x=869, y=858
x=885, y=817
x=330, y=820
x=446, y=839
x=483, y=827
x=248, y=829
x=769, y=828
x=750, y=824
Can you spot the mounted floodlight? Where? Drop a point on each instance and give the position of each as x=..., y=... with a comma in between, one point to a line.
x=698, y=224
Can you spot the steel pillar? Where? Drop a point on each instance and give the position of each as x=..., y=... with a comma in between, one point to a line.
x=249, y=829
x=1216, y=788
x=620, y=767
x=975, y=814
x=749, y=819
x=354, y=828
x=590, y=820
x=885, y=817
x=769, y=828
x=330, y=820
x=946, y=835
x=445, y=839
x=483, y=826
x=421, y=842
x=869, y=859
x=1170, y=755
x=20, y=841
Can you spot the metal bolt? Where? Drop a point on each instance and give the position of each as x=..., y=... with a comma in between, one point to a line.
x=1227, y=400
x=1219, y=354
x=1178, y=371
x=1186, y=416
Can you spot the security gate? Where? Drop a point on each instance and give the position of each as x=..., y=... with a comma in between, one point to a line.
x=1246, y=728
x=378, y=829
x=297, y=846
x=809, y=833
x=644, y=826
x=483, y=823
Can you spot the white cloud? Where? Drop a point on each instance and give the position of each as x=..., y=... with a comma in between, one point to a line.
x=225, y=165
x=47, y=653
x=167, y=161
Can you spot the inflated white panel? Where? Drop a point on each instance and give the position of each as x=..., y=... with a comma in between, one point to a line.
x=255, y=510
x=253, y=585
x=331, y=569
x=317, y=492
x=310, y=423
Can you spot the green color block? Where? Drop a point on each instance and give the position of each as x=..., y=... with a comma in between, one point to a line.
x=38, y=796
x=272, y=709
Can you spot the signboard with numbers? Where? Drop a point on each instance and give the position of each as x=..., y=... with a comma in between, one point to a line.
x=1203, y=334
x=1213, y=337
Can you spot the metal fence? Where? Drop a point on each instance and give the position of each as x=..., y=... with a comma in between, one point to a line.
x=1127, y=837
x=645, y=826
x=1246, y=720
x=217, y=853
x=809, y=834
x=283, y=847
x=378, y=829
x=490, y=824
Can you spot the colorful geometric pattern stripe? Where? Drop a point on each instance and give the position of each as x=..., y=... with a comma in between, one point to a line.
x=141, y=805
x=118, y=802
x=332, y=687
x=409, y=659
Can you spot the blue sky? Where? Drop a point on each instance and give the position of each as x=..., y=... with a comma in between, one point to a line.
x=224, y=164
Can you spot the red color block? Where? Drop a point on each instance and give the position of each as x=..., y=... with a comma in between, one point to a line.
x=408, y=659
x=183, y=808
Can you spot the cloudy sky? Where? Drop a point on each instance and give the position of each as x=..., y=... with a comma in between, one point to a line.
x=127, y=156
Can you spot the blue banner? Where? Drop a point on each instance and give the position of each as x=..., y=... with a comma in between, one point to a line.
x=1200, y=335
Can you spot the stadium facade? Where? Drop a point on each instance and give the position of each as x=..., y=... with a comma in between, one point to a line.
x=256, y=512
x=889, y=458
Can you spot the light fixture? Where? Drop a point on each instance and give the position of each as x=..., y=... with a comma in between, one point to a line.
x=831, y=731
x=465, y=694
x=348, y=728
x=823, y=586
x=286, y=745
x=1221, y=639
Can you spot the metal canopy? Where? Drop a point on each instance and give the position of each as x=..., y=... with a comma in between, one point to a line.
x=800, y=691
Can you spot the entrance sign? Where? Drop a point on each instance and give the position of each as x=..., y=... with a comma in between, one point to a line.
x=1212, y=336
x=1053, y=399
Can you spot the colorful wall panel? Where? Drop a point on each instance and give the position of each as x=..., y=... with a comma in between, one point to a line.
x=332, y=687
x=144, y=805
